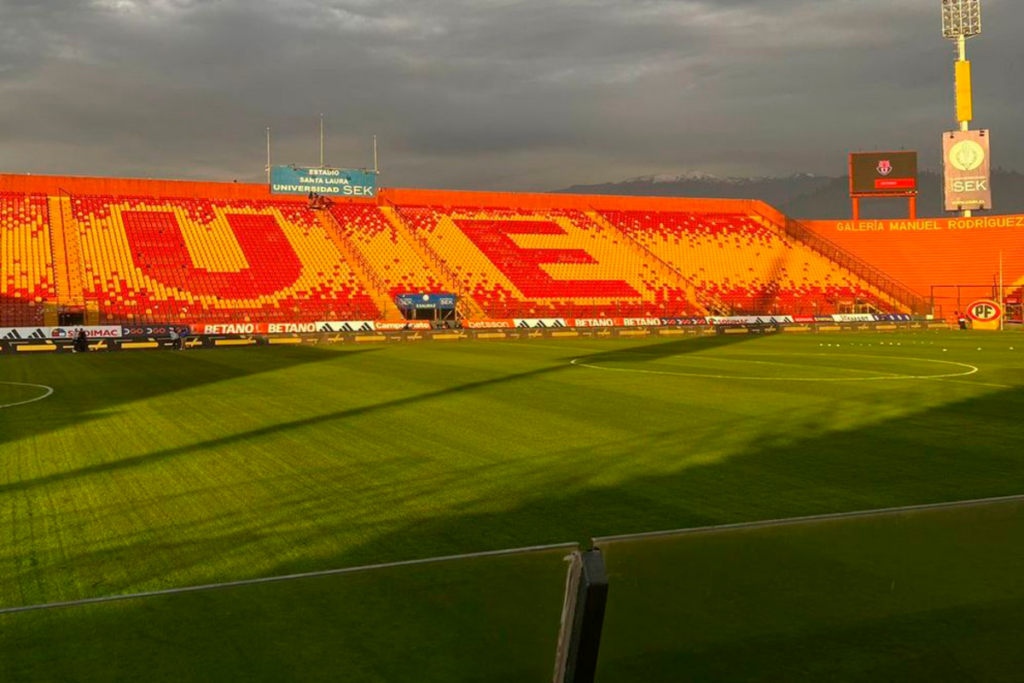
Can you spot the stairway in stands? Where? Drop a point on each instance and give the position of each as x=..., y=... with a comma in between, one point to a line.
x=440, y=270
x=887, y=288
x=339, y=230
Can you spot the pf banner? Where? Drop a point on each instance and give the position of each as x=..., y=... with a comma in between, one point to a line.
x=967, y=169
x=985, y=315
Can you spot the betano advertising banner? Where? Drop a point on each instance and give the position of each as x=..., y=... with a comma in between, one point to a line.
x=215, y=329
x=966, y=157
x=329, y=182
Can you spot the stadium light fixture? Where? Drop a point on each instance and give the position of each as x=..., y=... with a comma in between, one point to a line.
x=961, y=19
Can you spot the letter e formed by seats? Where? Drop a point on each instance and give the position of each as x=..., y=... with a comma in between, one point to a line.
x=523, y=266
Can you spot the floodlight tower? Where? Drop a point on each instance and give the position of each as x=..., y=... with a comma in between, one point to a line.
x=961, y=19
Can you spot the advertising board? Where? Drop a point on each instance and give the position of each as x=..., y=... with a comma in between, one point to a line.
x=883, y=173
x=967, y=170
x=329, y=182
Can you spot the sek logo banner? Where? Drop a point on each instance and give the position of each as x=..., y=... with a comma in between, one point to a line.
x=329, y=182
x=967, y=170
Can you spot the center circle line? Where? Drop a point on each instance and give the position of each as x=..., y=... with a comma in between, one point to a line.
x=49, y=391
x=971, y=369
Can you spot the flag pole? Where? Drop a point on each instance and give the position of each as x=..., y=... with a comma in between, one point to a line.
x=1002, y=295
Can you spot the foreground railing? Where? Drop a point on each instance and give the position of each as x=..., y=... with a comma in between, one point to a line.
x=927, y=593
x=933, y=593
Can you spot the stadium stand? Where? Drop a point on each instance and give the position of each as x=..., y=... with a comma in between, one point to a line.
x=171, y=259
x=129, y=251
x=938, y=253
x=747, y=264
x=391, y=260
x=518, y=262
x=26, y=260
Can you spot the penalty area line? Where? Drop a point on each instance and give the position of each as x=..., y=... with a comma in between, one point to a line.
x=48, y=392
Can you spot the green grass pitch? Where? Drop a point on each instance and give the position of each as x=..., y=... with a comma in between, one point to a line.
x=145, y=471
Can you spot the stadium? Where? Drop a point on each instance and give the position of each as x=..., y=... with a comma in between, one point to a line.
x=321, y=428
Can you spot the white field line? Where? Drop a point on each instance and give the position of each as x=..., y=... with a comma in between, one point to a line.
x=572, y=547
x=971, y=369
x=974, y=384
x=790, y=365
x=49, y=390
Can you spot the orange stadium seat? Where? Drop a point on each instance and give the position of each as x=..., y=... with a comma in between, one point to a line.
x=387, y=252
x=748, y=266
x=26, y=260
x=552, y=262
x=134, y=251
x=164, y=260
x=955, y=265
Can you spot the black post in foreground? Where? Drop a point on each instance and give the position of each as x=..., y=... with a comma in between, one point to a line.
x=582, y=618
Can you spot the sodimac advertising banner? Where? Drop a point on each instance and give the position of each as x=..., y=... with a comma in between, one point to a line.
x=42, y=333
x=329, y=182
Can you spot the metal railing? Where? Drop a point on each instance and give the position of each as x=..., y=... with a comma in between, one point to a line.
x=872, y=275
x=439, y=263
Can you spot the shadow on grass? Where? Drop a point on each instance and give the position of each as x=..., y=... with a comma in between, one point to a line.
x=85, y=386
x=199, y=371
x=964, y=449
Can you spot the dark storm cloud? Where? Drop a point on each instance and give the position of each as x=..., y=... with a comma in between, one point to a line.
x=525, y=94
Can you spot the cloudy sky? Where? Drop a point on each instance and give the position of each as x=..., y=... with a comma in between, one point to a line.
x=491, y=94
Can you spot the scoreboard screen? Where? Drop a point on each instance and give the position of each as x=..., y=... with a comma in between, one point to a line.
x=883, y=173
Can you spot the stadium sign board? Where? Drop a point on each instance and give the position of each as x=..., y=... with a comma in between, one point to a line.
x=43, y=333
x=985, y=311
x=425, y=302
x=750, y=320
x=874, y=174
x=967, y=165
x=333, y=326
x=985, y=314
x=329, y=182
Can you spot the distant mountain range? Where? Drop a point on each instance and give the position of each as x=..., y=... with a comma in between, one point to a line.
x=804, y=195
